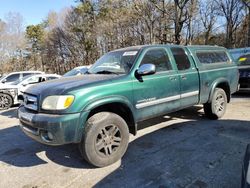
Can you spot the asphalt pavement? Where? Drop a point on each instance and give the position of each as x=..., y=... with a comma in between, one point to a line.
x=182, y=149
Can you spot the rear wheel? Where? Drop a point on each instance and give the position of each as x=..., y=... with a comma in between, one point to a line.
x=6, y=101
x=217, y=108
x=105, y=139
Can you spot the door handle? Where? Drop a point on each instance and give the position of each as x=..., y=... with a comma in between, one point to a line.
x=172, y=78
x=183, y=77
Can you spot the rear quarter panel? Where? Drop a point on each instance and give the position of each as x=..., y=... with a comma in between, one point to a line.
x=213, y=74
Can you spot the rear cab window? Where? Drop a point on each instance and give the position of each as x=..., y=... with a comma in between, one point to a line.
x=181, y=59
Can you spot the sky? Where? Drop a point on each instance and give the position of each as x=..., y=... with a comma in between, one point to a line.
x=33, y=11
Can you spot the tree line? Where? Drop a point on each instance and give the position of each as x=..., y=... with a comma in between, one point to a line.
x=82, y=33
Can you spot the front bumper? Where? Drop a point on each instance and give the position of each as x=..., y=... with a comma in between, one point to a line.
x=52, y=129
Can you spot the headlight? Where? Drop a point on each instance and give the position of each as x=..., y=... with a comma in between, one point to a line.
x=57, y=102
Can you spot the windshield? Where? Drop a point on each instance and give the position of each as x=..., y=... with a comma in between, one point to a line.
x=75, y=72
x=118, y=62
x=244, y=60
x=3, y=77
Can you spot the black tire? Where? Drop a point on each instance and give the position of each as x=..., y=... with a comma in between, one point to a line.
x=217, y=108
x=105, y=139
x=6, y=101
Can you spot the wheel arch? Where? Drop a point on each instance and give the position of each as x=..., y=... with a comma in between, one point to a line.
x=117, y=105
x=223, y=84
x=7, y=93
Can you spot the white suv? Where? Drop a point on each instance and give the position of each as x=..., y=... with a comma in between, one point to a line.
x=14, y=76
x=9, y=92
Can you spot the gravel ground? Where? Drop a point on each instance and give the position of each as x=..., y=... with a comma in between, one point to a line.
x=182, y=149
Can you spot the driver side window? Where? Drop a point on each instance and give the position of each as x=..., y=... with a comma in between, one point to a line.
x=159, y=58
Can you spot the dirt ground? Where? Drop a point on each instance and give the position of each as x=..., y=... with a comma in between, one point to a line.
x=182, y=149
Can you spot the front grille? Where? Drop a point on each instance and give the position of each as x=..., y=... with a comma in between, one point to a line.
x=30, y=102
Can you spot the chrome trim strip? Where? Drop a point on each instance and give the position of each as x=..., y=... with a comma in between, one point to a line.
x=166, y=99
x=158, y=101
x=189, y=94
x=31, y=99
x=224, y=68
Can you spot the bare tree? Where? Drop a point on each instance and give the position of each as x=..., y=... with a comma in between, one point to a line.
x=207, y=13
x=180, y=17
x=148, y=13
x=12, y=40
x=232, y=11
x=164, y=23
x=247, y=5
x=192, y=11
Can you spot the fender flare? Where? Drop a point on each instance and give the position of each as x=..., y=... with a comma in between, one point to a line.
x=214, y=85
x=113, y=99
x=108, y=100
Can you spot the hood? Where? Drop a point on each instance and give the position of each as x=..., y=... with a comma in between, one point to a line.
x=8, y=86
x=64, y=85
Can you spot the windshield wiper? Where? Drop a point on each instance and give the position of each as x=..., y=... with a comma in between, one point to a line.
x=106, y=72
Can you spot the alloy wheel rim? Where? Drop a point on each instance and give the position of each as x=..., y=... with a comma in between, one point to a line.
x=219, y=103
x=108, y=140
x=4, y=101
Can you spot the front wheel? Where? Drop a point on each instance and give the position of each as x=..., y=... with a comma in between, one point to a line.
x=6, y=101
x=217, y=108
x=105, y=139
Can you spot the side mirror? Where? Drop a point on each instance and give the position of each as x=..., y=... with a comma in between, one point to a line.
x=3, y=81
x=146, y=69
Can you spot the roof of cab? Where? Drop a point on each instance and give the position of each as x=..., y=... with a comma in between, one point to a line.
x=191, y=47
x=205, y=47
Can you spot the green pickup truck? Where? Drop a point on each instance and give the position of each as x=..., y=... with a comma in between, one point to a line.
x=98, y=110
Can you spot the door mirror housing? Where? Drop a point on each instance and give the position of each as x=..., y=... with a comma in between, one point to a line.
x=3, y=81
x=146, y=69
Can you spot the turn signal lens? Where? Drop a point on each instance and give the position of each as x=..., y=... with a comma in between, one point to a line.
x=242, y=59
x=69, y=100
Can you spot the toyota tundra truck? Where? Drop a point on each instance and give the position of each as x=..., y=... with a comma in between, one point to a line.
x=98, y=110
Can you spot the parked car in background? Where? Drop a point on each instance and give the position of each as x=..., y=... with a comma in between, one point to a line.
x=77, y=71
x=237, y=52
x=9, y=92
x=14, y=76
x=244, y=70
x=242, y=58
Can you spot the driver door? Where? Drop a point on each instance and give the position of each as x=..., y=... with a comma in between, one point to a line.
x=158, y=93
